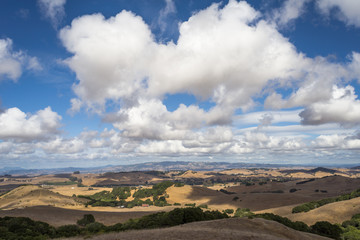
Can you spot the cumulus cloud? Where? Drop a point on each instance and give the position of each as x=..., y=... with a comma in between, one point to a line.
x=343, y=107
x=348, y=10
x=53, y=10
x=290, y=10
x=225, y=54
x=12, y=63
x=19, y=126
x=337, y=141
x=109, y=55
x=63, y=146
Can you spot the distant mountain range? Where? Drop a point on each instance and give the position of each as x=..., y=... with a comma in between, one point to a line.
x=149, y=166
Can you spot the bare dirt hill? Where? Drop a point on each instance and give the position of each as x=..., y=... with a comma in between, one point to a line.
x=278, y=194
x=234, y=228
x=31, y=195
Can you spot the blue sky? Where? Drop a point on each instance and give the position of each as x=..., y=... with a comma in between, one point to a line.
x=92, y=83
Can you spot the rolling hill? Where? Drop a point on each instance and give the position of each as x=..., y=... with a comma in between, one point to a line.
x=31, y=195
x=233, y=228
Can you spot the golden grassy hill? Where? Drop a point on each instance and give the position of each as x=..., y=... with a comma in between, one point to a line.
x=200, y=195
x=31, y=195
x=233, y=228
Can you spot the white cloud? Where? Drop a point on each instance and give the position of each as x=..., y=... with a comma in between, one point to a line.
x=226, y=55
x=108, y=57
x=290, y=10
x=348, y=10
x=337, y=141
x=19, y=126
x=343, y=107
x=12, y=63
x=63, y=146
x=53, y=10
x=10, y=66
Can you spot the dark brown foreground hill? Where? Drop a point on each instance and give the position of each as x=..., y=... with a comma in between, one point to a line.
x=224, y=229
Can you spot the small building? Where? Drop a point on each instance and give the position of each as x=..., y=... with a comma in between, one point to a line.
x=145, y=205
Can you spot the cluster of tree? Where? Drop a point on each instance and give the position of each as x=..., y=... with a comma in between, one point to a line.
x=65, y=183
x=76, y=180
x=20, y=228
x=322, y=228
x=227, y=192
x=315, y=204
x=243, y=212
x=156, y=190
x=118, y=196
x=351, y=228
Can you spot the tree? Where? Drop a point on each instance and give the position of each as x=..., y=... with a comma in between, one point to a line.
x=87, y=219
x=326, y=229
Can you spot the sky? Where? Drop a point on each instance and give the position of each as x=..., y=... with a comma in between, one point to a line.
x=87, y=83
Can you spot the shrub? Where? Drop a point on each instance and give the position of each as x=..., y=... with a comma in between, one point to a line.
x=87, y=219
x=190, y=204
x=229, y=211
x=95, y=227
x=68, y=231
x=300, y=226
x=326, y=229
x=243, y=212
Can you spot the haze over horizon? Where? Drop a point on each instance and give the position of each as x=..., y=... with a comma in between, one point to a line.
x=97, y=83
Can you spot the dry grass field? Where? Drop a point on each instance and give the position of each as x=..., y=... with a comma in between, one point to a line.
x=31, y=195
x=224, y=229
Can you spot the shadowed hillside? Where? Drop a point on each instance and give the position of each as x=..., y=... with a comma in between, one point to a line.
x=234, y=228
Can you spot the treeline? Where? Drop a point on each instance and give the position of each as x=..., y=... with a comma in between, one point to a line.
x=118, y=196
x=315, y=204
x=21, y=228
x=322, y=228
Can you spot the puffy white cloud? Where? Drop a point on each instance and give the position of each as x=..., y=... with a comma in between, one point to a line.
x=17, y=125
x=343, y=107
x=225, y=54
x=150, y=119
x=53, y=10
x=10, y=66
x=316, y=84
x=109, y=55
x=337, y=141
x=291, y=10
x=348, y=10
x=252, y=141
x=12, y=63
x=63, y=146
